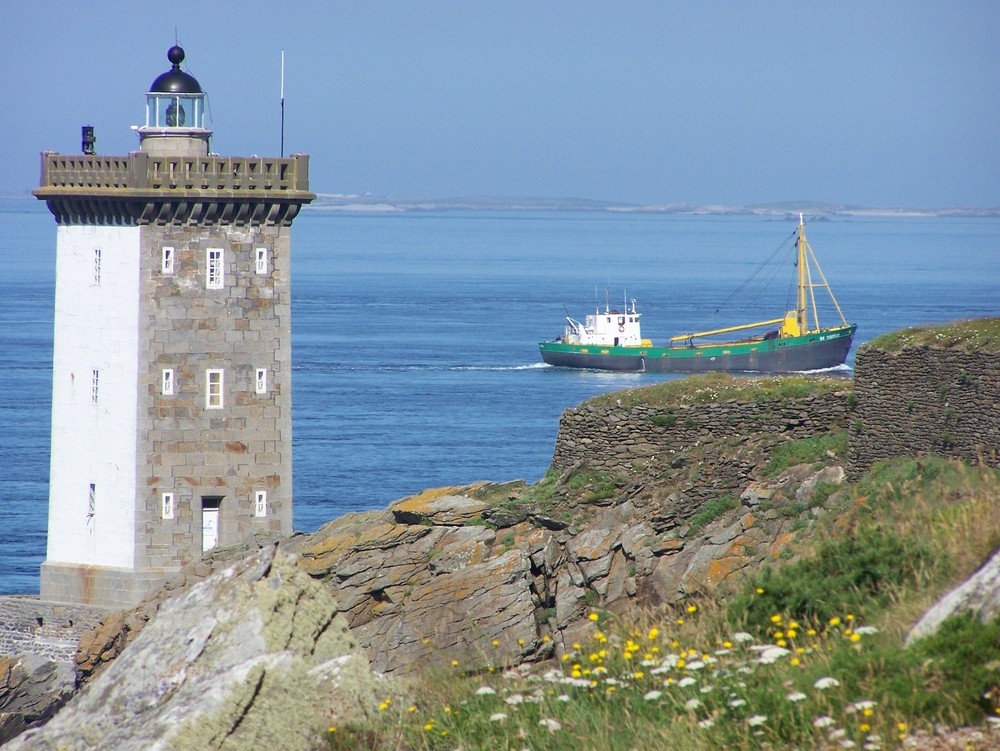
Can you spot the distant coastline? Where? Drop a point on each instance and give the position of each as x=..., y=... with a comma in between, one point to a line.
x=369, y=203
x=374, y=204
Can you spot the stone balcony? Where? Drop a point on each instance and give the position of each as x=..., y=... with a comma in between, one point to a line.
x=141, y=188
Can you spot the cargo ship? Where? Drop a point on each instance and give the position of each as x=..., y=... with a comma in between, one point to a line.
x=795, y=342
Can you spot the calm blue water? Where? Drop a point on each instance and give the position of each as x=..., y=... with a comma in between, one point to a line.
x=415, y=335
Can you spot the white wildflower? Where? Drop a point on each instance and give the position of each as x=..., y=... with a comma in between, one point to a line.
x=515, y=699
x=498, y=717
x=866, y=630
x=686, y=681
x=652, y=695
x=757, y=720
x=826, y=682
x=696, y=665
x=836, y=734
x=742, y=636
x=692, y=704
x=707, y=689
x=823, y=721
x=707, y=723
x=860, y=706
x=736, y=703
x=796, y=696
x=772, y=654
x=484, y=691
x=847, y=743
x=550, y=724
x=563, y=697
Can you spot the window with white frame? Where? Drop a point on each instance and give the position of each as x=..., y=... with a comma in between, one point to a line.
x=167, y=506
x=97, y=265
x=167, y=383
x=260, y=503
x=260, y=381
x=95, y=383
x=92, y=501
x=213, y=265
x=168, y=260
x=213, y=389
x=261, y=260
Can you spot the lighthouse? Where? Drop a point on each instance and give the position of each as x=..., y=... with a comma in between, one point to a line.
x=171, y=374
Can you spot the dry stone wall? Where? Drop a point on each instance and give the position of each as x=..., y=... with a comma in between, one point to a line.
x=924, y=400
x=624, y=438
x=29, y=626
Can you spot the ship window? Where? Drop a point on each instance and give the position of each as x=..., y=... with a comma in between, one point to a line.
x=213, y=389
x=261, y=260
x=167, y=385
x=167, y=506
x=95, y=382
x=167, y=265
x=97, y=266
x=92, y=501
x=260, y=503
x=214, y=268
x=260, y=381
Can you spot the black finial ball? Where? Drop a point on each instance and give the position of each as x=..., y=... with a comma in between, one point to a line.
x=175, y=55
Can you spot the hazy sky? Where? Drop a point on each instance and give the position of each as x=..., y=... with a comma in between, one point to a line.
x=880, y=102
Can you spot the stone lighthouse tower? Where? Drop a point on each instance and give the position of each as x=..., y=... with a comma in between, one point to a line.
x=171, y=384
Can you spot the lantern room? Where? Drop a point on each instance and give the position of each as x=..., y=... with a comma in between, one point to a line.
x=175, y=112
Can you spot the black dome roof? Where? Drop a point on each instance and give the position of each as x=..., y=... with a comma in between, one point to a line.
x=175, y=80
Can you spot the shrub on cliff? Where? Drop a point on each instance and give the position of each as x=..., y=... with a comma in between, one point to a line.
x=719, y=387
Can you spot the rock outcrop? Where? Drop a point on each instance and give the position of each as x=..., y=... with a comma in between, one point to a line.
x=253, y=657
x=979, y=594
x=486, y=576
x=32, y=689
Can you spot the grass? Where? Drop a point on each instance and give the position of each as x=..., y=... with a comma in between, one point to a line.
x=709, y=512
x=806, y=655
x=805, y=451
x=979, y=334
x=718, y=387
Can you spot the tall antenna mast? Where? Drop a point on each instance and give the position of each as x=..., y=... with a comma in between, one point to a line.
x=282, y=104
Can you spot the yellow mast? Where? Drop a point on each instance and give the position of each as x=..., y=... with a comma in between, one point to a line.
x=801, y=263
x=807, y=259
x=794, y=319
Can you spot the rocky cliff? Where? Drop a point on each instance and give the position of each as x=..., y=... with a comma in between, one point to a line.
x=254, y=657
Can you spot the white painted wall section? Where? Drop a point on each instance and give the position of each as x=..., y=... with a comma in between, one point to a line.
x=96, y=327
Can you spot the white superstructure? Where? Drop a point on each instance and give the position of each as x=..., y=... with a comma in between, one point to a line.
x=610, y=328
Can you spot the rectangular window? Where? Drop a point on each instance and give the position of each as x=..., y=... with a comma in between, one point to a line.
x=167, y=386
x=213, y=389
x=260, y=382
x=168, y=261
x=167, y=506
x=97, y=265
x=92, y=501
x=261, y=260
x=214, y=268
x=95, y=382
x=260, y=503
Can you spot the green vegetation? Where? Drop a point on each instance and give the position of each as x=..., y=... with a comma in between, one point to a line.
x=711, y=511
x=720, y=387
x=979, y=334
x=808, y=654
x=805, y=451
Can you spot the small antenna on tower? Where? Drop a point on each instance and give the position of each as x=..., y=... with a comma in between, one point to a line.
x=282, y=104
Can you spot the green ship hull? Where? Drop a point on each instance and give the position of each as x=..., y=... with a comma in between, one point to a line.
x=816, y=350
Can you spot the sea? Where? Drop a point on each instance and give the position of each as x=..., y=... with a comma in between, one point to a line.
x=415, y=334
